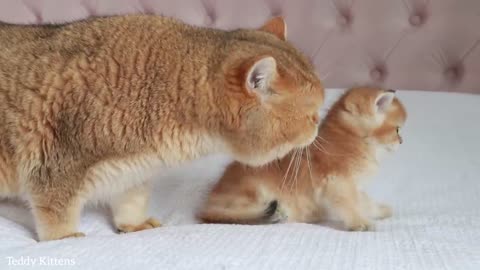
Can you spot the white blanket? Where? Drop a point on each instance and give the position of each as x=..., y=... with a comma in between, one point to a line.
x=432, y=183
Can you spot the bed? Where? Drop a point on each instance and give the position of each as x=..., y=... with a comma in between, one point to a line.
x=432, y=182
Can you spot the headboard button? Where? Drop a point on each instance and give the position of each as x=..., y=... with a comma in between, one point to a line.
x=345, y=17
x=277, y=11
x=454, y=73
x=416, y=20
x=344, y=21
x=378, y=74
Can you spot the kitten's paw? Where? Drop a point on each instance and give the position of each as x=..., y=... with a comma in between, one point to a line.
x=360, y=226
x=73, y=235
x=148, y=224
x=384, y=211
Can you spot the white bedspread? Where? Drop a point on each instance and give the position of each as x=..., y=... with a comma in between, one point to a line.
x=432, y=182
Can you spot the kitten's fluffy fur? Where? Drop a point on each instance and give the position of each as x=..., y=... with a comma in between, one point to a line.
x=88, y=109
x=359, y=127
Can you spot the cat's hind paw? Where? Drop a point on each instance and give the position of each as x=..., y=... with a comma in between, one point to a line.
x=360, y=226
x=150, y=223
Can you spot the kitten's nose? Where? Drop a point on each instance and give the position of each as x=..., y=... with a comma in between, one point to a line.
x=400, y=140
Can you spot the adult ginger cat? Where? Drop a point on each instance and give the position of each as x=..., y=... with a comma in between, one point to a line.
x=88, y=109
x=324, y=180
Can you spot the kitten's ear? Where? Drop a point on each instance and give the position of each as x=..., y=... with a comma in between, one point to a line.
x=383, y=101
x=260, y=75
x=276, y=26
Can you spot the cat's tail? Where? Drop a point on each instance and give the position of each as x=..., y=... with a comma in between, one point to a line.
x=237, y=209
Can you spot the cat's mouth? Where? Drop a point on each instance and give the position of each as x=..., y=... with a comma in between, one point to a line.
x=310, y=140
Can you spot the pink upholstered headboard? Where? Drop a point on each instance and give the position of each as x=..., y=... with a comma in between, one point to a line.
x=403, y=44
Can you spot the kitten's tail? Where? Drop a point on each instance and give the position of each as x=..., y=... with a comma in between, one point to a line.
x=236, y=209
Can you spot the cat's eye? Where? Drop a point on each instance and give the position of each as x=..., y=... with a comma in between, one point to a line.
x=398, y=130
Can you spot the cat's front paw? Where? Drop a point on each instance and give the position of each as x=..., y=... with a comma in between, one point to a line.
x=59, y=235
x=148, y=224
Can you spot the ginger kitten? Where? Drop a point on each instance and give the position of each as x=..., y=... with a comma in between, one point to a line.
x=89, y=110
x=323, y=181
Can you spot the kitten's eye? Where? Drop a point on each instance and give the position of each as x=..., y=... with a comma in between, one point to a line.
x=400, y=140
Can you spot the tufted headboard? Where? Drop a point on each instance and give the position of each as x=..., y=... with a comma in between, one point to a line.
x=403, y=44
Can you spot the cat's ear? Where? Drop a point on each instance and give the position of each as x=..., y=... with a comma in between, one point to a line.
x=260, y=75
x=276, y=26
x=384, y=100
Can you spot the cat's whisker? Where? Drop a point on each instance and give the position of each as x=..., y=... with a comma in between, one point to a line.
x=300, y=166
x=326, y=75
x=309, y=164
x=293, y=169
x=288, y=169
x=297, y=169
x=320, y=147
x=321, y=138
x=294, y=162
x=299, y=160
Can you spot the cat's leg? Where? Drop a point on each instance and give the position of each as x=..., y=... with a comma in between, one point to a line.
x=129, y=210
x=342, y=201
x=373, y=209
x=55, y=202
x=9, y=185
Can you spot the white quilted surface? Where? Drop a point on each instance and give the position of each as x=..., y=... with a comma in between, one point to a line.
x=433, y=184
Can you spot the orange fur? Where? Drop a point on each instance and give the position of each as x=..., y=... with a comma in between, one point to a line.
x=276, y=26
x=322, y=180
x=89, y=109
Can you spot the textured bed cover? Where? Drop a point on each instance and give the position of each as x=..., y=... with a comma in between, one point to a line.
x=432, y=183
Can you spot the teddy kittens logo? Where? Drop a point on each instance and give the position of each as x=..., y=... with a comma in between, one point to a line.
x=39, y=261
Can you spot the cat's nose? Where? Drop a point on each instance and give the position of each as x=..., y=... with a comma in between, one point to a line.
x=400, y=140
x=316, y=119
